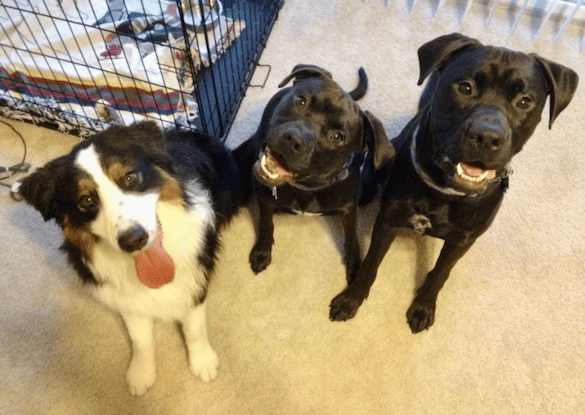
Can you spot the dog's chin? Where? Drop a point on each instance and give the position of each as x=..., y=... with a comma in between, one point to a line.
x=270, y=172
x=470, y=179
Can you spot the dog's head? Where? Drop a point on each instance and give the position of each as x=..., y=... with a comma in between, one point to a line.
x=106, y=189
x=314, y=130
x=483, y=103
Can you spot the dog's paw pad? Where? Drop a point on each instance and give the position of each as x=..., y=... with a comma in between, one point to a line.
x=343, y=308
x=140, y=376
x=420, y=317
x=204, y=365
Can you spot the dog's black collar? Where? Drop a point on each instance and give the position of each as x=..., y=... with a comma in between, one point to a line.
x=423, y=175
x=342, y=175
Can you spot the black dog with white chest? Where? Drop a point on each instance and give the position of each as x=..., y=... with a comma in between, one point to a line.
x=307, y=157
x=450, y=173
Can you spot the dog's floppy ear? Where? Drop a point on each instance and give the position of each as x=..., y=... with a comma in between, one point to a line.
x=562, y=83
x=39, y=189
x=434, y=54
x=376, y=141
x=305, y=71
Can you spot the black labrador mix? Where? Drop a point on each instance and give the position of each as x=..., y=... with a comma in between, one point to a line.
x=308, y=156
x=448, y=179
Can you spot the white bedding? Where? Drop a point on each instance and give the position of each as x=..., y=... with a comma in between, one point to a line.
x=58, y=59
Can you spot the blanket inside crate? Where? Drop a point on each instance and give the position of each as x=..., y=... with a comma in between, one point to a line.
x=81, y=65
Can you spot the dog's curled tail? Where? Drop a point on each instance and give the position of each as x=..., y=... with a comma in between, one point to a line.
x=362, y=87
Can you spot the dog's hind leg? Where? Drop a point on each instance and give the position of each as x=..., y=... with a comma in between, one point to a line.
x=203, y=360
x=141, y=374
x=261, y=254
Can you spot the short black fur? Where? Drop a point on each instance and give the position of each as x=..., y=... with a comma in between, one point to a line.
x=317, y=135
x=478, y=110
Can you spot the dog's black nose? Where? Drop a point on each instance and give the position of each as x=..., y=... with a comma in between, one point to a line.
x=488, y=134
x=295, y=141
x=133, y=239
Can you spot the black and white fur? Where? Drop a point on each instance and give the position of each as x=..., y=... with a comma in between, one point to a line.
x=109, y=194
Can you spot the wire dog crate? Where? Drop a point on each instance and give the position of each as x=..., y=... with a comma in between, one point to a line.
x=80, y=66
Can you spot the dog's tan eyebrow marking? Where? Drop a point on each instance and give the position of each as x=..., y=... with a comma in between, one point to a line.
x=85, y=185
x=116, y=171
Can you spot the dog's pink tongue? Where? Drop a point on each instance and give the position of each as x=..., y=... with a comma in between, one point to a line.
x=155, y=266
x=472, y=171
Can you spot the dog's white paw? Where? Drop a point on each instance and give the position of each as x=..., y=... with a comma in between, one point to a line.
x=204, y=364
x=140, y=376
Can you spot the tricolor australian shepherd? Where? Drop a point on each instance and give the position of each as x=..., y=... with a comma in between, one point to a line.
x=140, y=212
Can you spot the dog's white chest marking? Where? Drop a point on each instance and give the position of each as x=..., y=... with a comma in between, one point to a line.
x=420, y=223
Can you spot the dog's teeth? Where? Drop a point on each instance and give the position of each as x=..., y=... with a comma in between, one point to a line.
x=268, y=173
x=460, y=170
x=266, y=170
x=474, y=179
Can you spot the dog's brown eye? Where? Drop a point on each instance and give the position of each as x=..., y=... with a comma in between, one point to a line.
x=524, y=103
x=300, y=102
x=336, y=137
x=465, y=88
x=130, y=179
x=85, y=202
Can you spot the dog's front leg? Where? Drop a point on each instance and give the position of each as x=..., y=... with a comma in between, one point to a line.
x=345, y=305
x=141, y=374
x=351, y=250
x=421, y=314
x=261, y=253
x=203, y=360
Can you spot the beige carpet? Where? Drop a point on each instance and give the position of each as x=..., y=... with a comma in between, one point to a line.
x=509, y=336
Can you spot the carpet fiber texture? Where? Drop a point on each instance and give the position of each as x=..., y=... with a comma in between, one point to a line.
x=509, y=335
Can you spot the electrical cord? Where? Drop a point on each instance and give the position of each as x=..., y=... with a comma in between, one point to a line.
x=22, y=167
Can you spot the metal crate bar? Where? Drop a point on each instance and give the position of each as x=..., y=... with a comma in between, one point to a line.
x=82, y=65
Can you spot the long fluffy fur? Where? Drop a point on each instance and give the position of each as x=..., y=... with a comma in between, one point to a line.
x=129, y=178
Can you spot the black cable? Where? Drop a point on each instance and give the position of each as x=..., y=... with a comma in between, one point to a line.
x=21, y=167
